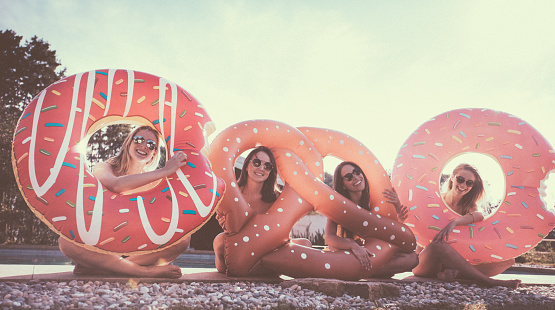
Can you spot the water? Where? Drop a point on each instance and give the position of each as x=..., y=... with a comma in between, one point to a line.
x=53, y=256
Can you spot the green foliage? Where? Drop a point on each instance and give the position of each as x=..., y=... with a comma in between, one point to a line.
x=106, y=142
x=317, y=237
x=328, y=179
x=542, y=254
x=25, y=70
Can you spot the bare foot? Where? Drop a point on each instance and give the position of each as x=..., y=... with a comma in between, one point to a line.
x=506, y=283
x=167, y=271
x=448, y=275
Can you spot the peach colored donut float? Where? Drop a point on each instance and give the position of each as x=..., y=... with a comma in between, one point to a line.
x=525, y=157
x=264, y=237
x=53, y=177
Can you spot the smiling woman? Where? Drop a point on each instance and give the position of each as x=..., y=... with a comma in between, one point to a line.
x=132, y=170
x=491, y=175
x=259, y=188
x=125, y=206
x=479, y=247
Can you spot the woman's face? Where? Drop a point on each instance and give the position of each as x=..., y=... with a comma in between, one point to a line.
x=353, y=180
x=463, y=181
x=260, y=173
x=143, y=147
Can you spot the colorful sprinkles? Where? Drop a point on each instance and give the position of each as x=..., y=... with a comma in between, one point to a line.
x=499, y=135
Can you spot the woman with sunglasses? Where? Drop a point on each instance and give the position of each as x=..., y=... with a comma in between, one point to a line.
x=258, y=183
x=133, y=169
x=439, y=259
x=350, y=181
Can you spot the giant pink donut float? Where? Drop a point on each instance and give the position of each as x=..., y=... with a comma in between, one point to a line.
x=52, y=175
x=525, y=157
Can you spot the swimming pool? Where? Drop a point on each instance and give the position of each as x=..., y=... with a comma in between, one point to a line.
x=53, y=256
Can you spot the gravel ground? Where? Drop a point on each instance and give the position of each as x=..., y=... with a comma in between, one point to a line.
x=244, y=295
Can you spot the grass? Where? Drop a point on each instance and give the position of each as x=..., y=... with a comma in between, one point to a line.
x=317, y=237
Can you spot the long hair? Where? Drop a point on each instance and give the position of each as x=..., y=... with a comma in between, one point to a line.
x=269, y=188
x=338, y=186
x=122, y=161
x=468, y=201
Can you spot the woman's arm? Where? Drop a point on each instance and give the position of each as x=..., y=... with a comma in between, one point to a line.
x=335, y=242
x=469, y=218
x=119, y=184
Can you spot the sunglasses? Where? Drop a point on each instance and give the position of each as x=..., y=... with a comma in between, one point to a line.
x=349, y=176
x=149, y=143
x=461, y=180
x=267, y=165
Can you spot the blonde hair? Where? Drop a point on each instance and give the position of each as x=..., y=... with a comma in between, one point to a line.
x=121, y=162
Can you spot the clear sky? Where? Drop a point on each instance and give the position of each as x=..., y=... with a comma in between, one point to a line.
x=375, y=70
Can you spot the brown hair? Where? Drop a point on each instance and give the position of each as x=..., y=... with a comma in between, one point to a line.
x=269, y=188
x=468, y=201
x=120, y=163
x=339, y=187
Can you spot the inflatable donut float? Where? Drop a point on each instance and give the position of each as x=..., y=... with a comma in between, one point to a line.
x=52, y=173
x=251, y=237
x=525, y=157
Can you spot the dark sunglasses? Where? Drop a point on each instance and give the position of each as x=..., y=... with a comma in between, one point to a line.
x=149, y=143
x=349, y=176
x=461, y=180
x=267, y=165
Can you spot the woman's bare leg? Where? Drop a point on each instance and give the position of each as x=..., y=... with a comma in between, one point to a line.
x=115, y=263
x=219, y=252
x=400, y=262
x=442, y=254
x=429, y=263
x=163, y=257
x=493, y=269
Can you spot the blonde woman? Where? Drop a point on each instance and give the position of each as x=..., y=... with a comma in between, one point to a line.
x=132, y=170
x=439, y=259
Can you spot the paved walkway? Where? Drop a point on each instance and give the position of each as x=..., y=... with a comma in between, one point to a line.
x=28, y=263
x=12, y=272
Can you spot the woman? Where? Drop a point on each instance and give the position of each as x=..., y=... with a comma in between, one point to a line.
x=132, y=170
x=258, y=183
x=351, y=182
x=439, y=259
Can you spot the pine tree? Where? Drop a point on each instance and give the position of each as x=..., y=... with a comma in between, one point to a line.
x=25, y=70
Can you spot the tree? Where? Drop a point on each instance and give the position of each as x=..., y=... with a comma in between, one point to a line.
x=25, y=70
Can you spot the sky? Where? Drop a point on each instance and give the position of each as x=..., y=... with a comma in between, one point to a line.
x=375, y=70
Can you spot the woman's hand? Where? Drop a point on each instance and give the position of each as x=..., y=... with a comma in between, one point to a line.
x=363, y=255
x=178, y=160
x=402, y=214
x=393, y=198
x=443, y=235
x=336, y=243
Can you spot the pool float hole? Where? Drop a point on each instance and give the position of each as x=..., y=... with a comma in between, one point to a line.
x=110, y=137
x=547, y=191
x=492, y=176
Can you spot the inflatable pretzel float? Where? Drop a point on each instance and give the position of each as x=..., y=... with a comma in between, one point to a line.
x=253, y=239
